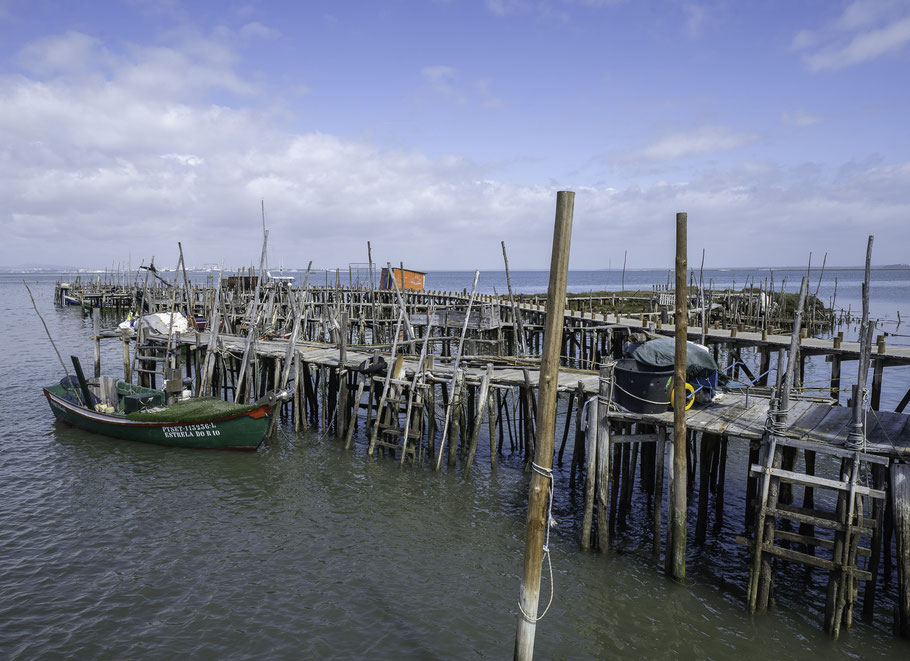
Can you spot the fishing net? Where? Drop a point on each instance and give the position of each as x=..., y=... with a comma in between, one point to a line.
x=191, y=411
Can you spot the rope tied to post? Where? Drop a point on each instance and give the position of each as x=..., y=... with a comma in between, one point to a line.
x=857, y=441
x=776, y=422
x=548, y=474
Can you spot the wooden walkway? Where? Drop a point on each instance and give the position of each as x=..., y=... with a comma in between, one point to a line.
x=810, y=346
x=326, y=355
x=811, y=422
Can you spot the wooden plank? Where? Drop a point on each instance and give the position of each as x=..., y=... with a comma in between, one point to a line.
x=831, y=425
x=718, y=416
x=884, y=427
x=798, y=409
x=751, y=425
x=816, y=481
x=809, y=540
x=834, y=451
x=801, y=426
x=830, y=516
x=700, y=418
x=633, y=438
x=820, y=521
x=806, y=559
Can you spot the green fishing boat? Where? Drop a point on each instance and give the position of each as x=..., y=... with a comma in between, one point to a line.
x=130, y=412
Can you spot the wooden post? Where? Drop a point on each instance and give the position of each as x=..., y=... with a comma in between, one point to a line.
x=478, y=418
x=660, y=453
x=835, y=378
x=900, y=502
x=518, y=324
x=856, y=436
x=590, y=474
x=603, y=463
x=676, y=547
x=342, y=379
x=538, y=520
x=96, y=328
x=127, y=372
x=454, y=393
x=353, y=421
x=492, y=412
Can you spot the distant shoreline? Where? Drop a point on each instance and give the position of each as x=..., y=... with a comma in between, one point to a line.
x=89, y=271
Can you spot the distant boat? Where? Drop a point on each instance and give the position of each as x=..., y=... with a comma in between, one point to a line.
x=133, y=413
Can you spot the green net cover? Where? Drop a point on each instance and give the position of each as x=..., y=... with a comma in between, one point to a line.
x=662, y=353
x=191, y=411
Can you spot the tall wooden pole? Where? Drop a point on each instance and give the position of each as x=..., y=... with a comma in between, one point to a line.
x=677, y=514
x=516, y=311
x=542, y=475
x=855, y=434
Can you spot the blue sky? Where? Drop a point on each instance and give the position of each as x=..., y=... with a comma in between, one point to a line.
x=435, y=129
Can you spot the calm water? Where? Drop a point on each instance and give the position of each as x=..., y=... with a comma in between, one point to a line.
x=302, y=550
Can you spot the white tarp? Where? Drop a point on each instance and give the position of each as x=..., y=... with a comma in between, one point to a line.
x=160, y=322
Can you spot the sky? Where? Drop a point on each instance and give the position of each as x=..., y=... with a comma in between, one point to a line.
x=437, y=128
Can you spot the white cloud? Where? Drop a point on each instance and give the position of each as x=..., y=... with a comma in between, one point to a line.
x=439, y=74
x=121, y=158
x=506, y=7
x=802, y=118
x=696, y=16
x=863, y=47
x=704, y=140
x=259, y=31
x=69, y=53
x=865, y=31
x=863, y=13
x=445, y=82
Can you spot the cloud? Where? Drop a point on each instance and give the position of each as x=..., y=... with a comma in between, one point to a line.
x=445, y=83
x=863, y=47
x=72, y=52
x=554, y=9
x=695, y=18
x=505, y=7
x=704, y=140
x=801, y=118
x=259, y=31
x=866, y=30
x=116, y=158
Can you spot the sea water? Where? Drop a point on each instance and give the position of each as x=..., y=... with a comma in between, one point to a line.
x=119, y=550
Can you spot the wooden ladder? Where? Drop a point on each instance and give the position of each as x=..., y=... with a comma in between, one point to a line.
x=846, y=527
x=150, y=361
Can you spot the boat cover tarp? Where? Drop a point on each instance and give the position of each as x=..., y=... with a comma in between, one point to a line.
x=660, y=353
x=161, y=321
x=192, y=411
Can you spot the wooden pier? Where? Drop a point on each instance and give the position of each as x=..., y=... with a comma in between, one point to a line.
x=460, y=368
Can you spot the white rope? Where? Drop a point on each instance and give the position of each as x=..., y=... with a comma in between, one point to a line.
x=584, y=411
x=861, y=443
x=607, y=400
x=775, y=423
x=547, y=473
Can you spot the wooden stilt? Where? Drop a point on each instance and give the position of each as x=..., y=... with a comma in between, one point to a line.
x=590, y=473
x=900, y=508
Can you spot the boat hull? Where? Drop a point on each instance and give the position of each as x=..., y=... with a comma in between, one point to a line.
x=244, y=431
